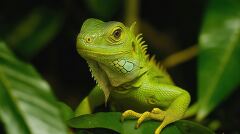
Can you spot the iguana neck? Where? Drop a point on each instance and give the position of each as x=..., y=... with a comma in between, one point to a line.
x=109, y=80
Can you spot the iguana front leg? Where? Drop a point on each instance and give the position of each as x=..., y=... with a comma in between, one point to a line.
x=174, y=112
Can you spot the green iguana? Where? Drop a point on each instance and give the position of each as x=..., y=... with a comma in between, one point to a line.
x=126, y=76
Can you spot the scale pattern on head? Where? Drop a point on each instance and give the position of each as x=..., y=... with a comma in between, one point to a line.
x=103, y=38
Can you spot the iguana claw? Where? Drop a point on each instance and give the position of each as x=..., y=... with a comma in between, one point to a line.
x=130, y=113
x=156, y=114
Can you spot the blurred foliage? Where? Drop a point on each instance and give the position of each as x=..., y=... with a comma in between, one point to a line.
x=104, y=9
x=218, y=64
x=111, y=120
x=26, y=100
x=35, y=31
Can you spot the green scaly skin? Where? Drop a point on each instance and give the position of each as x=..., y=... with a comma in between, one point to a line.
x=127, y=78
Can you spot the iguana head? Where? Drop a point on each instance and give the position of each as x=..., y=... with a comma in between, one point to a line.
x=112, y=51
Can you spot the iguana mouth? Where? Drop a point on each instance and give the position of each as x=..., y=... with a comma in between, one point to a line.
x=100, y=53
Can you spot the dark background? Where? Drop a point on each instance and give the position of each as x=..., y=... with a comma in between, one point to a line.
x=59, y=63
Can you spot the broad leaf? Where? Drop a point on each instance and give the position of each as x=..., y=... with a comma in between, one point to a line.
x=219, y=59
x=111, y=120
x=101, y=120
x=27, y=105
x=35, y=31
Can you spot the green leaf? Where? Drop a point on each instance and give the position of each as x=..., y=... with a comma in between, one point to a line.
x=27, y=105
x=35, y=31
x=101, y=120
x=218, y=64
x=111, y=120
x=66, y=111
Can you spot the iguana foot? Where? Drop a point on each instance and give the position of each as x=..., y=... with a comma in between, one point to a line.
x=156, y=114
x=130, y=113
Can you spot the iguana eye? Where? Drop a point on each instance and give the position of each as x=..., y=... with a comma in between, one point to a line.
x=117, y=33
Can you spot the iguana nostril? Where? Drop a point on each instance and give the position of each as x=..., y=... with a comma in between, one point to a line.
x=88, y=39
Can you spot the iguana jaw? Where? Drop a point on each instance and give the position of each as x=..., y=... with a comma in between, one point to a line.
x=91, y=53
